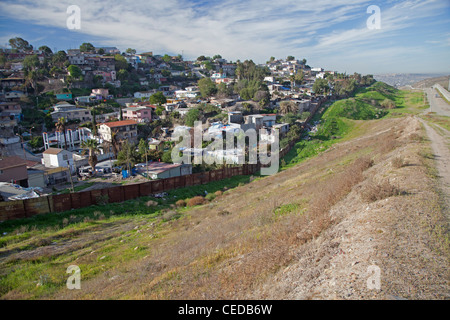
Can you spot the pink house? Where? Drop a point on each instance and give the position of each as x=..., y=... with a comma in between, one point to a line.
x=138, y=114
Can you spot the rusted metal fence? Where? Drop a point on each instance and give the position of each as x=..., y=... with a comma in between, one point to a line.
x=11, y=210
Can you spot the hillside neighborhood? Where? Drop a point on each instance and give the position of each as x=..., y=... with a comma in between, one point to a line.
x=90, y=113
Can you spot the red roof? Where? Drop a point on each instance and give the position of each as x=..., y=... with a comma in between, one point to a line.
x=120, y=123
x=12, y=162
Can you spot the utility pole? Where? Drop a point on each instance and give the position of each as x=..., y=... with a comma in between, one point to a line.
x=70, y=175
x=23, y=147
x=146, y=162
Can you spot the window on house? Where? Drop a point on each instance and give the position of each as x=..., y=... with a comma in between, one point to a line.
x=65, y=157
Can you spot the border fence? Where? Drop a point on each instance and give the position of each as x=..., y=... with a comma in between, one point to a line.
x=11, y=210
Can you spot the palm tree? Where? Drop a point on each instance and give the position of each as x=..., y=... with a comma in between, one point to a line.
x=93, y=147
x=115, y=142
x=61, y=126
x=288, y=107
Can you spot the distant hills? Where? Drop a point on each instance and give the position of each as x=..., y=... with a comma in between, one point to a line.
x=415, y=80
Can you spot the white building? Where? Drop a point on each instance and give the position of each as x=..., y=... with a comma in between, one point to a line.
x=144, y=94
x=71, y=112
x=186, y=94
x=55, y=157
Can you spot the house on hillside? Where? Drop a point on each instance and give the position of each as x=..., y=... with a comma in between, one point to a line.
x=125, y=130
x=14, y=170
x=71, y=112
x=13, y=108
x=138, y=113
x=55, y=158
x=144, y=94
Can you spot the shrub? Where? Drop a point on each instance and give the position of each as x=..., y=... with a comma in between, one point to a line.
x=363, y=163
x=169, y=215
x=218, y=193
x=151, y=203
x=210, y=196
x=196, y=201
x=398, y=162
x=181, y=203
x=224, y=213
x=379, y=191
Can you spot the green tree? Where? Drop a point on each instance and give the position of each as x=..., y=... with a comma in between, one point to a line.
x=143, y=149
x=61, y=127
x=224, y=91
x=158, y=98
x=130, y=51
x=36, y=142
x=167, y=157
x=122, y=74
x=290, y=58
x=192, y=116
x=59, y=58
x=31, y=69
x=207, y=87
x=167, y=58
x=31, y=63
x=208, y=65
x=287, y=107
x=92, y=147
x=75, y=71
x=121, y=62
x=166, y=73
x=87, y=47
x=2, y=59
x=20, y=44
x=128, y=156
x=101, y=51
x=46, y=51
x=321, y=86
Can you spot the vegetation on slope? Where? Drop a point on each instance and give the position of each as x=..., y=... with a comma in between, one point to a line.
x=338, y=119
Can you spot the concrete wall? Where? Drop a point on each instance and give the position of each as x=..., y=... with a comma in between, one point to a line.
x=442, y=90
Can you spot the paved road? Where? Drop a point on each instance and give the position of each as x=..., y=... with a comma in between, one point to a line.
x=437, y=104
x=16, y=150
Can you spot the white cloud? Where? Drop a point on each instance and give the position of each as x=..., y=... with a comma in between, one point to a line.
x=254, y=29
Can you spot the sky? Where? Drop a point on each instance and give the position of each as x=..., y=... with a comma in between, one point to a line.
x=413, y=36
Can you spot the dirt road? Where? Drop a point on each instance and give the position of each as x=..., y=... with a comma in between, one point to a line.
x=440, y=142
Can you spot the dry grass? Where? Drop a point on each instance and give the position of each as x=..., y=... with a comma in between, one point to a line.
x=398, y=162
x=378, y=191
x=180, y=203
x=196, y=201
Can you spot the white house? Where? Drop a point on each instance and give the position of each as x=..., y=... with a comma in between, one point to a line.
x=186, y=94
x=144, y=94
x=55, y=157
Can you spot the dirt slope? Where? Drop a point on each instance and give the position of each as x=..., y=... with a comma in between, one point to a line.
x=399, y=235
